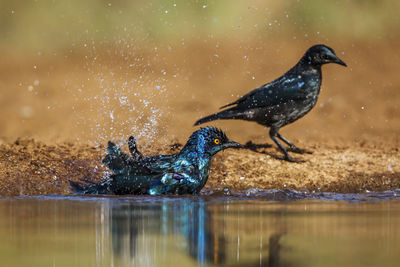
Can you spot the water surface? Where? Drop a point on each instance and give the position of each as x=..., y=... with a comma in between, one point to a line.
x=193, y=231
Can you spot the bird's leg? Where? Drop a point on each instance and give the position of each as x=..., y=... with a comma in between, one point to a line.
x=292, y=147
x=273, y=133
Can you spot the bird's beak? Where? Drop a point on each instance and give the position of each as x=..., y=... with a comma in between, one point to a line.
x=339, y=61
x=232, y=144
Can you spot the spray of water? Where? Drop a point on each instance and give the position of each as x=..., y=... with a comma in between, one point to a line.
x=121, y=90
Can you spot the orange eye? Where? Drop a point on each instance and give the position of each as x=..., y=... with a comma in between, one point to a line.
x=217, y=141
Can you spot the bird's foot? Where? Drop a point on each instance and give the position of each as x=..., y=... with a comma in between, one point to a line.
x=288, y=158
x=297, y=150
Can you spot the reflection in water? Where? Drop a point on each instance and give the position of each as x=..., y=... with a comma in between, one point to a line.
x=195, y=227
x=197, y=231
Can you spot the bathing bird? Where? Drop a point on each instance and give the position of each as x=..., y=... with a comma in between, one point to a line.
x=284, y=100
x=185, y=172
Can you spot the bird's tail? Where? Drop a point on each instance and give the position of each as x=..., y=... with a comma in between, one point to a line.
x=91, y=189
x=223, y=115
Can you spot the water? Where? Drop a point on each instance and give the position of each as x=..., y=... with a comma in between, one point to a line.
x=198, y=231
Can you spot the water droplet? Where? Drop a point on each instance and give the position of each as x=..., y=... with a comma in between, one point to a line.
x=26, y=112
x=123, y=100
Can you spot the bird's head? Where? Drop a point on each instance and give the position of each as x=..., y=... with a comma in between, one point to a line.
x=210, y=140
x=322, y=54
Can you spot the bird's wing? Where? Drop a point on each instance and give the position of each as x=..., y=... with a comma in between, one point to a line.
x=158, y=164
x=182, y=172
x=177, y=168
x=115, y=159
x=280, y=91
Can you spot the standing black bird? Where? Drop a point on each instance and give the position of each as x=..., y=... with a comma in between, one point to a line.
x=283, y=100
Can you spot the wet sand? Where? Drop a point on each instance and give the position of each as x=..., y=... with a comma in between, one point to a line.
x=57, y=117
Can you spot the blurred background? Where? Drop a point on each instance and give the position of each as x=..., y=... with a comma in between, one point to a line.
x=90, y=71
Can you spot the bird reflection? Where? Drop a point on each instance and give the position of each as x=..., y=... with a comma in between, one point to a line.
x=151, y=230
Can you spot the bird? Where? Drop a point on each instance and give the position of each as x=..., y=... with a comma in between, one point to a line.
x=284, y=100
x=185, y=172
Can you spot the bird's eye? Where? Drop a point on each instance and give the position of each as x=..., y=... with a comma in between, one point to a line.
x=217, y=141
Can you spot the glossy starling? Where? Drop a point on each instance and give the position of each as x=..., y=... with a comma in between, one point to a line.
x=283, y=100
x=185, y=172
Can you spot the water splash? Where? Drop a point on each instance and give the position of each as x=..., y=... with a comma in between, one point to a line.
x=121, y=90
